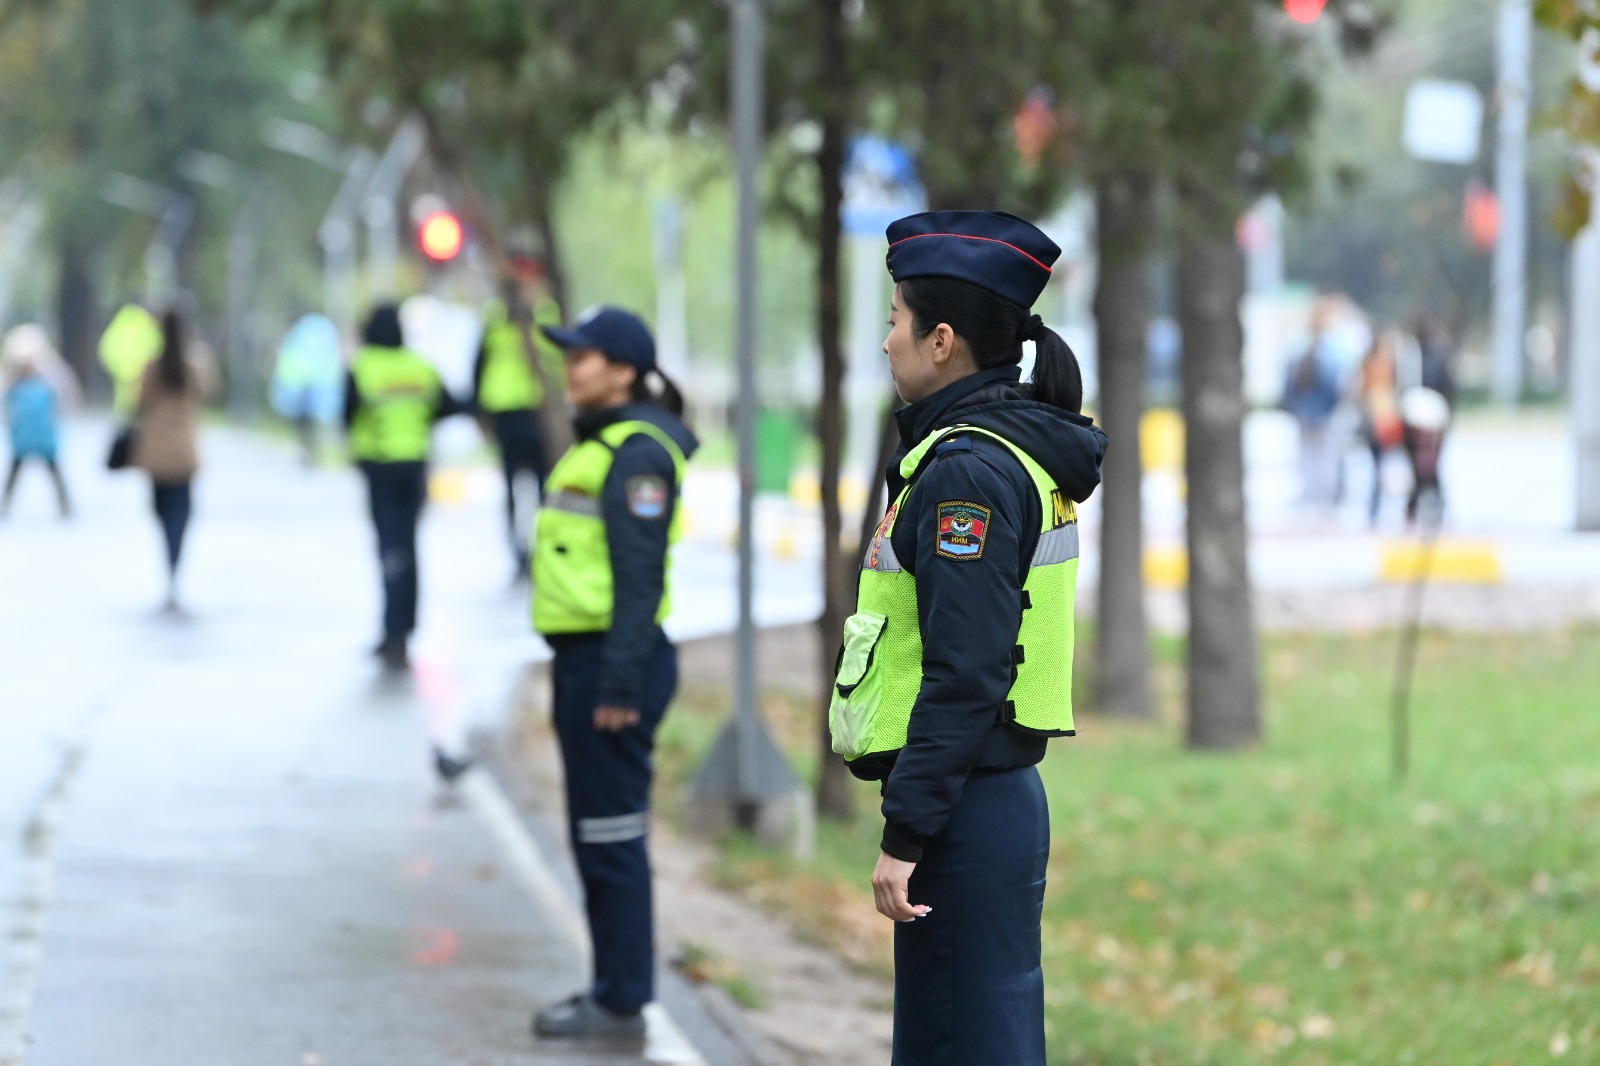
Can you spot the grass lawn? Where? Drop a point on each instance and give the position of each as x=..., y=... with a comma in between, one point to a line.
x=1291, y=903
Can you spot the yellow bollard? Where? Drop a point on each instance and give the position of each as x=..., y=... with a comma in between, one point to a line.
x=1161, y=440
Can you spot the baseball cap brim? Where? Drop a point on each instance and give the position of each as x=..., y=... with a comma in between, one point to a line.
x=568, y=338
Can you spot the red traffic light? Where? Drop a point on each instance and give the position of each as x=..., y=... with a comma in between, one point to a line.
x=1304, y=11
x=441, y=236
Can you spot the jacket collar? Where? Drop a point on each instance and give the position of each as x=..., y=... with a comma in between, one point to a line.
x=933, y=412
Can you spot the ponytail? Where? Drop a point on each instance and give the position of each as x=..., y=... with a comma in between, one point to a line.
x=994, y=328
x=1057, y=377
x=655, y=388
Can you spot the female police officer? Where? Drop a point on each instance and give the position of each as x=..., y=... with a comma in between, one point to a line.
x=599, y=596
x=957, y=666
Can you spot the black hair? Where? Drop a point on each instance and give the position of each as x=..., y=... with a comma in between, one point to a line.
x=171, y=369
x=654, y=387
x=994, y=328
x=383, y=328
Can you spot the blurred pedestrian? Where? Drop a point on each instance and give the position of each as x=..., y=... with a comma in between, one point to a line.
x=1378, y=401
x=32, y=411
x=308, y=380
x=1426, y=404
x=172, y=390
x=1311, y=395
x=129, y=345
x=600, y=594
x=956, y=668
x=393, y=397
x=508, y=392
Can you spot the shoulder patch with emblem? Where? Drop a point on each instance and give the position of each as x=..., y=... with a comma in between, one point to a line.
x=647, y=496
x=963, y=525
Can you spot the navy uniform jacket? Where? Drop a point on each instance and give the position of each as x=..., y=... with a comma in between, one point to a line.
x=636, y=533
x=970, y=610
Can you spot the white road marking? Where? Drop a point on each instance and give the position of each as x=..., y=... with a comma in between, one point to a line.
x=664, y=1041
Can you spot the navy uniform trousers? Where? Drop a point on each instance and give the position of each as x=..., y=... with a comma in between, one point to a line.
x=396, y=493
x=608, y=812
x=968, y=985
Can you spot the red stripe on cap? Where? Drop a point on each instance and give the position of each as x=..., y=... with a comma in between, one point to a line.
x=969, y=237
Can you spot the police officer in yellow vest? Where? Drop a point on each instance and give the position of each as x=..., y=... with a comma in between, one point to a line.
x=508, y=393
x=956, y=668
x=393, y=396
x=600, y=594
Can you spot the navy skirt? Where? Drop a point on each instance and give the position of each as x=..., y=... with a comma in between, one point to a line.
x=968, y=985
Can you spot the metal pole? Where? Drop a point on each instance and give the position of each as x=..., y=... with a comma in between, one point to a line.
x=1511, y=251
x=744, y=769
x=337, y=236
x=378, y=209
x=1584, y=371
x=748, y=32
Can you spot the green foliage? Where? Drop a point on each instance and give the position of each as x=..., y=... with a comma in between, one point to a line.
x=139, y=87
x=1290, y=904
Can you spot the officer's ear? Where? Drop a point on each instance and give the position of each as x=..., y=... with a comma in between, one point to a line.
x=943, y=344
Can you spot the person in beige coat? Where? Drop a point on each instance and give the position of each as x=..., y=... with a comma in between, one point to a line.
x=172, y=391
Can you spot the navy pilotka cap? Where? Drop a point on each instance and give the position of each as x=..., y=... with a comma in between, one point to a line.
x=621, y=335
x=1002, y=253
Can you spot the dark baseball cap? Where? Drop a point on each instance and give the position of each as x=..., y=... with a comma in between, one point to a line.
x=621, y=335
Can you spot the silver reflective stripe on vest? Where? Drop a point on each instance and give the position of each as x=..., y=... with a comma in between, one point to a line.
x=1056, y=546
x=614, y=830
x=574, y=503
x=887, y=562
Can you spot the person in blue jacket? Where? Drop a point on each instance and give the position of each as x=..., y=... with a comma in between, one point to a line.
x=32, y=414
x=600, y=594
x=957, y=667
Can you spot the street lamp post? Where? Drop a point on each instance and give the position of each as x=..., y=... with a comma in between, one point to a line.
x=336, y=234
x=745, y=775
x=1511, y=186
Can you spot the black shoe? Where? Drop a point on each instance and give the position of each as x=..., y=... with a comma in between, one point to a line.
x=582, y=1017
x=448, y=767
x=393, y=653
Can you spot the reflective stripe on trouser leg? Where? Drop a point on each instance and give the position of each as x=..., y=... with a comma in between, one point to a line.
x=968, y=985
x=608, y=778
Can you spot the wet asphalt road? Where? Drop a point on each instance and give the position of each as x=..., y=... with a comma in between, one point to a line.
x=221, y=840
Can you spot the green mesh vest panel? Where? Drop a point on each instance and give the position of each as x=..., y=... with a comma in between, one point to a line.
x=399, y=392
x=572, y=583
x=880, y=667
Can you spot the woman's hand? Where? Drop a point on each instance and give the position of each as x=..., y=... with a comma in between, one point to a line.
x=614, y=719
x=890, y=881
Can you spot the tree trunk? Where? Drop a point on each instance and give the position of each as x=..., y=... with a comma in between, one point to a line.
x=1123, y=222
x=833, y=780
x=78, y=318
x=1224, y=693
x=555, y=271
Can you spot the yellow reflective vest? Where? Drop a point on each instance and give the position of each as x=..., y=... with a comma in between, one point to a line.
x=400, y=393
x=880, y=665
x=130, y=343
x=573, y=590
x=508, y=382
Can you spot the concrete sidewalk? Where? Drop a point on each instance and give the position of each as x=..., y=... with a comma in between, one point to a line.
x=223, y=839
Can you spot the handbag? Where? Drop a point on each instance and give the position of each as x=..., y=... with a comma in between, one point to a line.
x=121, y=454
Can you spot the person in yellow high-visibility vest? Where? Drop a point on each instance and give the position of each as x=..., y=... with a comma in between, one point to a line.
x=393, y=396
x=508, y=393
x=600, y=594
x=957, y=666
x=130, y=343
